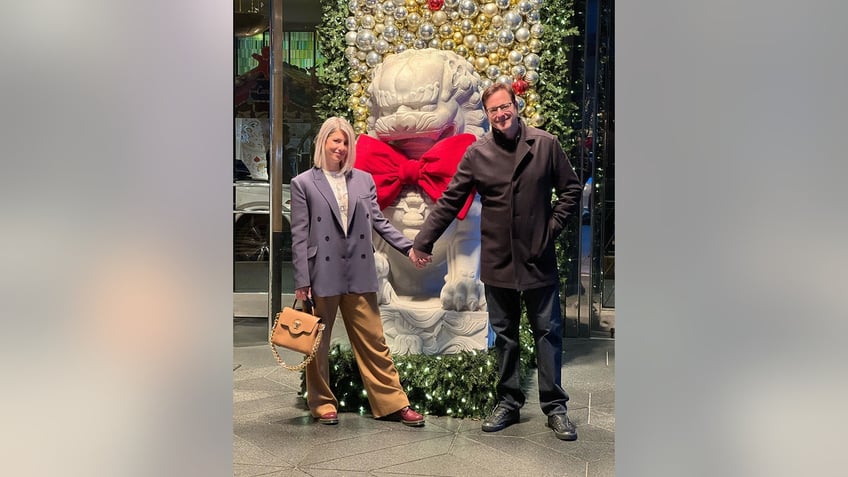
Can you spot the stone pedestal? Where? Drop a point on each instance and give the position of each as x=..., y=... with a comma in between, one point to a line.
x=422, y=327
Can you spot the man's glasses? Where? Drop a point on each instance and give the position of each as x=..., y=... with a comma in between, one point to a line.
x=502, y=107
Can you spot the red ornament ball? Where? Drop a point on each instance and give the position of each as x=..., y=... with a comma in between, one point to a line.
x=434, y=5
x=519, y=86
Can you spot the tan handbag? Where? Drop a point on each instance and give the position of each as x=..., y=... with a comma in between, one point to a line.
x=297, y=331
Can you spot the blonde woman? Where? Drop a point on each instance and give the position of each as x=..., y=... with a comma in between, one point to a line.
x=334, y=210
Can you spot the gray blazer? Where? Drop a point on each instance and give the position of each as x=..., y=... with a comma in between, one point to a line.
x=323, y=257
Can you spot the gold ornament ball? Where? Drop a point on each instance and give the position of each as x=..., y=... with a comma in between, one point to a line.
x=489, y=10
x=439, y=18
x=537, y=120
x=360, y=113
x=360, y=127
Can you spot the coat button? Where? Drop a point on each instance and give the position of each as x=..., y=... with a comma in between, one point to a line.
x=361, y=236
x=318, y=219
x=326, y=259
x=326, y=238
x=363, y=256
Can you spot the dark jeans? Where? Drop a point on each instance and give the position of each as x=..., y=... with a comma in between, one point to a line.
x=545, y=317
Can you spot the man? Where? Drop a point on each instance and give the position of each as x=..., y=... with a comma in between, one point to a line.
x=515, y=168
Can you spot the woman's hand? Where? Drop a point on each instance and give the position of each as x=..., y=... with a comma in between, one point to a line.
x=419, y=259
x=303, y=293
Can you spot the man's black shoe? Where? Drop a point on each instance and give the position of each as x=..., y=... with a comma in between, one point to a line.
x=563, y=427
x=500, y=418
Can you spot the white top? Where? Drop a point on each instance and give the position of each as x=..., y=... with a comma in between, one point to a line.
x=339, y=185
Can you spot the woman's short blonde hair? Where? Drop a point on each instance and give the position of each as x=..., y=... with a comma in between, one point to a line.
x=330, y=126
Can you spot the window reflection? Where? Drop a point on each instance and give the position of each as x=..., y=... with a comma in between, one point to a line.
x=252, y=156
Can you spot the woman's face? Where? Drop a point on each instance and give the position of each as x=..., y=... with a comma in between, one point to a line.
x=335, y=151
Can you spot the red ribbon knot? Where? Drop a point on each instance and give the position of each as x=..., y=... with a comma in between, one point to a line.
x=392, y=170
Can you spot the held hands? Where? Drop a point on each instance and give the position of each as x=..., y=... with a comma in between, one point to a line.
x=419, y=258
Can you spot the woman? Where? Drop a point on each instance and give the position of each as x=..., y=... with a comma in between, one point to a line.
x=333, y=210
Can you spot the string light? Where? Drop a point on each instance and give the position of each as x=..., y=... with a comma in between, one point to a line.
x=460, y=385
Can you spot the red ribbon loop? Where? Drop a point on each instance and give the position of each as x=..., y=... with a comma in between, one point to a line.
x=392, y=170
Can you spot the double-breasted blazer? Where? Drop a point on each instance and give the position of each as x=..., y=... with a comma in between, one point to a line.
x=526, y=197
x=323, y=257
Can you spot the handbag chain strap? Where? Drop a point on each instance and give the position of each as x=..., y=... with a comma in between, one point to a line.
x=308, y=359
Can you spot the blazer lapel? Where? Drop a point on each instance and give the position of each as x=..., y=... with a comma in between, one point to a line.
x=351, y=199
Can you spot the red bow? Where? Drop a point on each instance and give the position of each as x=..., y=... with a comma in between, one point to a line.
x=391, y=169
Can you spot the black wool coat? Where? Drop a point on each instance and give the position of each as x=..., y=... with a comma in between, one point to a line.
x=526, y=197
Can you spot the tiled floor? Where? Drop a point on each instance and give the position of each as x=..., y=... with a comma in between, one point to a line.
x=273, y=434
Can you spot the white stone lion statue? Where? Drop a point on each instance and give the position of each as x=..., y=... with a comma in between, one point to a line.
x=425, y=111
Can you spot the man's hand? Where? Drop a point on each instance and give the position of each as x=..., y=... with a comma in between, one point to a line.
x=419, y=258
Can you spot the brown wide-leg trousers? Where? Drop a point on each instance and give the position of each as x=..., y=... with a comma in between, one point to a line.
x=361, y=316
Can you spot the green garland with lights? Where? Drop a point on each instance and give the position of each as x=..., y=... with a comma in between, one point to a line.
x=332, y=72
x=457, y=385
x=556, y=85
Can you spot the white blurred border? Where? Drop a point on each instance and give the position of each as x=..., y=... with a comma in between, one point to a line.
x=731, y=231
x=116, y=198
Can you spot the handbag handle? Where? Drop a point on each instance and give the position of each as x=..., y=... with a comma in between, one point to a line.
x=308, y=359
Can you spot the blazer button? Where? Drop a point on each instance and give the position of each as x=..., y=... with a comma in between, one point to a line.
x=361, y=236
x=318, y=219
x=326, y=238
x=363, y=256
x=326, y=259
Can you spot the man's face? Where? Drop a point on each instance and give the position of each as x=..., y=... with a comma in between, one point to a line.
x=501, y=112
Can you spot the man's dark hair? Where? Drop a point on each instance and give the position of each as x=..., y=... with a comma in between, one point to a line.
x=494, y=88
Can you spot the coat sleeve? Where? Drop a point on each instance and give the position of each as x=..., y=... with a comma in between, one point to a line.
x=567, y=189
x=381, y=224
x=300, y=234
x=447, y=207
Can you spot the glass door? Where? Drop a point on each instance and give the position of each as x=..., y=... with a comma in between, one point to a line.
x=256, y=267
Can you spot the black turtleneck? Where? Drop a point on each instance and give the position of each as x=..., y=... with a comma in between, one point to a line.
x=508, y=144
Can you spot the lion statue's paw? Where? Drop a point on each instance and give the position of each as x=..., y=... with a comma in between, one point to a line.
x=463, y=294
x=385, y=291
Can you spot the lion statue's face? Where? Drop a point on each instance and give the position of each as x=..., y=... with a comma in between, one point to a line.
x=424, y=96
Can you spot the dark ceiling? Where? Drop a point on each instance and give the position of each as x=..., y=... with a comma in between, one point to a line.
x=253, y=16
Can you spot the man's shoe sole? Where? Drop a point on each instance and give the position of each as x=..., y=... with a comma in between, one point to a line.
x=568, y=436
x=498, y=428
